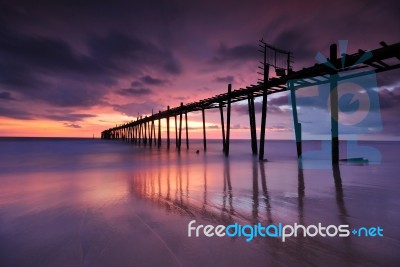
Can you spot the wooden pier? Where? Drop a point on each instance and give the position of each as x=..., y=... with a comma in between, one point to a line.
x=142, y=130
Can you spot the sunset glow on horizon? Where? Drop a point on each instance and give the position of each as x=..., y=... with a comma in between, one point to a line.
x=69, y=71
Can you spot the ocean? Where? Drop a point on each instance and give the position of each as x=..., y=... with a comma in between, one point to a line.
x=92, y=202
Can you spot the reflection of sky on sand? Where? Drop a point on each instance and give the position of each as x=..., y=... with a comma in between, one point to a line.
x=111, y=205
x=43, y=190
x=251, y=192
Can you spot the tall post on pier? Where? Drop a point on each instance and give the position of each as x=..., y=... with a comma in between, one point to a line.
x=150, y=126
x=159, y=129
x=140, y=130
x=180, y=127
x=204, y=130
x=153, y=130
x=187, y=129
x=168, y=140
x=176, y=132
x=264, y=105
x=145, y=130
x=228, y=120
x=297, y=125
x=128, y=133
x=252, y=119
x=221, y=111
x=135, y=134
x=265, y=74
x=334, y=107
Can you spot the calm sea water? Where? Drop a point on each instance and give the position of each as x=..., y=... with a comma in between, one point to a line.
x=84, y=202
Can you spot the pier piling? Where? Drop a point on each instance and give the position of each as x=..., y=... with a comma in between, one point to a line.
x=221, y=111
x=204, y=130
x=297, y=125
x=228, y=120
x=168, y=140
x=334, y=107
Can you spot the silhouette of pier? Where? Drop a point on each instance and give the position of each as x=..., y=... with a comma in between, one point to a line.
x=143, y=129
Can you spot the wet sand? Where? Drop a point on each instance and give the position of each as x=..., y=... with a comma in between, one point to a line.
x=102, y=203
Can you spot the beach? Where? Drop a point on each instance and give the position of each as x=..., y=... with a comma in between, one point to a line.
x=92, y=202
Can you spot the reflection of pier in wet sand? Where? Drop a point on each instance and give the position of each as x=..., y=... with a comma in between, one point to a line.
x=171, y=188
x=222, y=198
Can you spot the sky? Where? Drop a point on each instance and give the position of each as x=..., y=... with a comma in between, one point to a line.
x=74, y=68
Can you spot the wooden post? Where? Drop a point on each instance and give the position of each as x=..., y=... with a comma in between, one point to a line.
x=176, y=132
x=150, y=125
x=252, y=119
x=264, y=113
x=133, y=133
x=180, y=127
x=136, y=134
x=168, y=140
x=128, y=134
x=145, y=130
x=297, y=125
x=221, y=111
x=204, y=130
x=154, y=132
x=334, y=108
x=187, y=131
x=228, y=121
x=140, y=130
x=159, y=129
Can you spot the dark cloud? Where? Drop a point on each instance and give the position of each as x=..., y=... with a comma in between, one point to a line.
x=390, y=109
x=274, y=106
x=389, y=98
x=71, y=117
x=134, y=91
x=51, y=70
x=238, y=126
x=243, y=109
x=279, y=128
x=15, y=113
x=6, y=96
x=47, y=69
x=136, y=84
x=128, y=54
x=241, y=53
x=303, y=50
x=43, y=53
x=133, y=109
x=72, y=125
x=181, y=98
x=173, y=66
x=153, y=81
x=225, y=79
x=213, y=126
